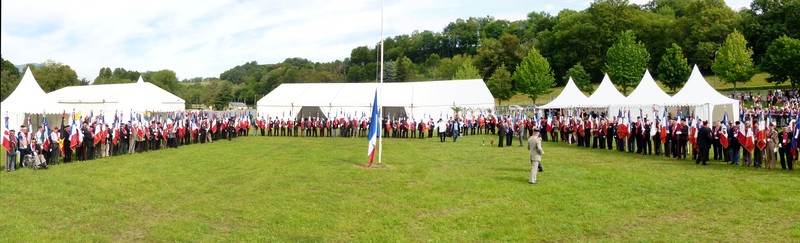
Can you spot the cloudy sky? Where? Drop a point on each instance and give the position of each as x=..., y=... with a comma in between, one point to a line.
x=205, y=38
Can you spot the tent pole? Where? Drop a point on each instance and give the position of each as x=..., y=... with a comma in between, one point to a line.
x=380, y=93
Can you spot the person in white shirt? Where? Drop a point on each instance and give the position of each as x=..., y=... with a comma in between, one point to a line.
x=442, y=128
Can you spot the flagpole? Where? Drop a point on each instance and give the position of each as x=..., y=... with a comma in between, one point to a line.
x=380, y=94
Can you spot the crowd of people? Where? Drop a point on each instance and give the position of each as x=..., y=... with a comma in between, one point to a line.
x=754, y=140
x=86, y=138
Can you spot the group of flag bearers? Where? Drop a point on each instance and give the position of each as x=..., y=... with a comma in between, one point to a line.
x=754, y=140
x=86, y=137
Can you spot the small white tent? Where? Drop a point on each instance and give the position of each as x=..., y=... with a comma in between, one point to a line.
x=709, y=104
x=28, y=98
x=570, y=97
x=419, y=100
x=647, y=96
x=138, y=97
x=606, y=96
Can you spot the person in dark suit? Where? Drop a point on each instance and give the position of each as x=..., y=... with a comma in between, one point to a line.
x=501, y=132
x=647, y=145
x=657, y=138
x=683, y=139
x=715, y=141
x=668, y=141
x=632, y=138
x=65, y=129
x=733, y=143
x=704, y=142
x=610, y=133
x=88, y=143
x=785, y=148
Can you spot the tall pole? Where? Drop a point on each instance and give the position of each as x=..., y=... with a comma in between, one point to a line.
x=380, y=94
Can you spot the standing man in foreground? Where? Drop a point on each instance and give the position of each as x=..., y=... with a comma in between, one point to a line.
x=535, y=146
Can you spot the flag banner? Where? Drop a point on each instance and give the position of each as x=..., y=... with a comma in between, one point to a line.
x=374, y=130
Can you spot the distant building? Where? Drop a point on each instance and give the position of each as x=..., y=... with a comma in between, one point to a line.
x=237, y=106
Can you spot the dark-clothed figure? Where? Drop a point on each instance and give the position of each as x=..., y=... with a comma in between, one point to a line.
x=704, y=143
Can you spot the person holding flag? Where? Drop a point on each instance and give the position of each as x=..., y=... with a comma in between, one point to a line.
x=10, y=144
x=772, y=146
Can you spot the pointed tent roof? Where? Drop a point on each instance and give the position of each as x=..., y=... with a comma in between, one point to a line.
x=139, y=96
x=647, y=93
x=696, y=92
x=606, y=95
x=570, y=97
x=29, y=97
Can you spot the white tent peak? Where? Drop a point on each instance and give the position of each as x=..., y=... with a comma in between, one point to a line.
x=29, y=97
x=140, y=81
x=570, y=97
x=605, y=95
x=647, y=93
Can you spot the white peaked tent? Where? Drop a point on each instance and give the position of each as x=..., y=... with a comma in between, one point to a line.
x=709, y=104
x=570, y=97
x=647, y=96
x=606, y=96
x=110, y=98
x=419, y=100
x=28, y=98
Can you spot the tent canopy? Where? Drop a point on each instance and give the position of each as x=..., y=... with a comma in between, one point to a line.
x=708, y=102
x=139, y=96
x=606, y=95
x=570, y=97
x=420, y=100
x=29, y=97
x=646, y=94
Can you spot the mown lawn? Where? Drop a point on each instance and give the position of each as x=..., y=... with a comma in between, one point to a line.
x=315, y=189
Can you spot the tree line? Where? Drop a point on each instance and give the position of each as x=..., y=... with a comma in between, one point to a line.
x=527, y=56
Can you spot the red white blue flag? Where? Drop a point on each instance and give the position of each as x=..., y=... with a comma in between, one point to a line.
x=374, y=130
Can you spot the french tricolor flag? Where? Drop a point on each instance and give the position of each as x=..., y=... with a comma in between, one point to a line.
x=374, y=130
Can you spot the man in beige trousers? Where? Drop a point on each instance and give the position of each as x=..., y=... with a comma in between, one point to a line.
x=535, y=146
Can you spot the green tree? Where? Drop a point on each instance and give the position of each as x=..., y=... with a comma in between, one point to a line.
x=53, y=75
x=534, y=76
x=766, y=21
x=783, y=61
x=218, y=94
x=467, y=71
x=165, y=79
x=581, y=78
x=703, y=28
x=500, y=84
x=9, y=79
x=734, y=62
x=674, y=69
x=626, y=61
x=405, y=69
x=493, y=53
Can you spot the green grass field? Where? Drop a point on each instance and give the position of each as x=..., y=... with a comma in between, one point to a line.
x=307, y=189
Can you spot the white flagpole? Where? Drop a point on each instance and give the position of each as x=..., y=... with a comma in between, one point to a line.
x=380, y=94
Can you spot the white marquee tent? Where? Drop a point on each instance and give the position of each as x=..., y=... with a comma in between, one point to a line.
x=420, y=100
x=606, y=96
x=709, y=104
x=647, y=96
x=28, y=98
x=108, y=98
x=570, y=97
